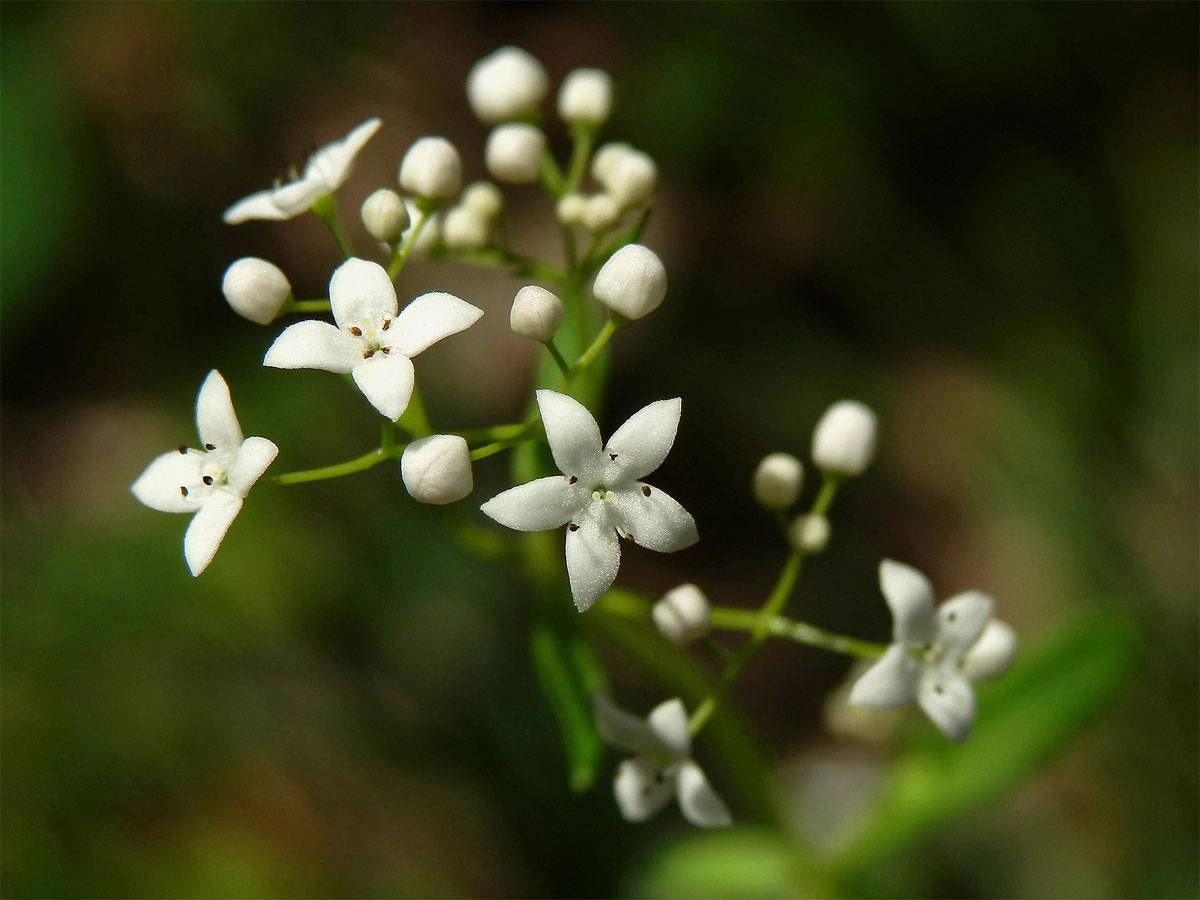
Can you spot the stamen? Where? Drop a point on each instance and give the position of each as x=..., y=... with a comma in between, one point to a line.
x=385, y=350
x=612, y=456
x=572, y=527
x=387, y=323
x=183, y=490
x=207, y=479
x=645, y=490
x=596, y=495
x=950, y=617
x=356, y=331
x=209, y=447
x=367, y=354
x=938, y=689
x=572, y=480
x=608, y=496
x=183, y=449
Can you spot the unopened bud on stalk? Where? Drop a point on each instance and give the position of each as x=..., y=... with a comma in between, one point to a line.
x=536, y=313
x=844, y=439
x=464, y=229
x=505, y=85
x=627, y=175
x=992, y=654
x=633, y=282
x=514, y=152
x=607, y=157
x=585, y=97
x=256, y=289
x=437, y=469
x=384, y=215
x=777, y=480
x=600, y=213
x=683, y=614
x=809, y=534
x=431, y=169
x=484, y=199
x=570, y=208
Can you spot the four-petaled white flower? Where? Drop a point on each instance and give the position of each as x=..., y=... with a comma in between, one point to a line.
x=211, y=482
x=661, y=766
x=369, y=341
x=930, y=653
x=599, y=496
x=324, y=173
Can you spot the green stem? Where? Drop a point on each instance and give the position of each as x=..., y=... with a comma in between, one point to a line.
x=415, y=421
x=550, y=175
x=400, y=257
x=349, y=467
x=558, y=358
x=494, y=433
x=581, y=151
x=503, y=444
x=325, y=209
x=299, y=306
x=731, y=619
x=501, y=258
x=615, y=321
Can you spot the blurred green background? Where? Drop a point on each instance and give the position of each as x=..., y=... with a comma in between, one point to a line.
x=980, y=219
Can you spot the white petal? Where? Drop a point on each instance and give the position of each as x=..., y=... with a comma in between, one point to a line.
x=429, y=318
x=992, y=654
x=159, y=486
x=889, y=683
x=537, y=505
x=387, y=381
x=641, y=789
x=947, y=699
x=910, y=597
x=961, y=620
x=669, y=723
x=298, y=196
x=655, y=520
x=619, y=727
x=333, y=163
x=257, y=206
x=699, y=802
x=593, y=557
x=215, y=419
x=642, y=443
x=207, y=528
x=252, y=460
x=314, y=345
x=573, y=435
x=361, y=291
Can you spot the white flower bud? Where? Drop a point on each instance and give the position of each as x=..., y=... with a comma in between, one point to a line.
x=484, y=199
x=844, y=439
x=992, y=654
x=585, y=97
x=437, y=469
x=256, y=289
x=464, y=229
x=600, y=213
x=514, y=152
x=630, y=180
x=607, y=157
x=506, y=84
x=384, y=215
x=777, y=480
x=809, y=534
x=570, y=208
x=633, y=281
x=431, y=168
x=682, y=614
x=536, y=313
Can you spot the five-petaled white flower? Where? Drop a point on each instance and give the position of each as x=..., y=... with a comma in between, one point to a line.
x=324, y=173
x=931, y=657
x=369, y=341
x=661, y=766
x=211, y=482
x=598, y=496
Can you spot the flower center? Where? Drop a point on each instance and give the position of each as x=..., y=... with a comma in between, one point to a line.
x=374, y=340
x=212, y=465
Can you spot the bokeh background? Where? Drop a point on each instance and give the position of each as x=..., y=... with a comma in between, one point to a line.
x=980, y=219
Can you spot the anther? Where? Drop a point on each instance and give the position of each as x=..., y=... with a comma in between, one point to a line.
x=207, y=479
x=950, y=617
x=183, y=449
x=387, y=323
x=356, y=331
x=938, y=689
x=572, y=480
x=612, y=456
x=367, y=354
x=209, y=447
x=572, y=527
x=385, y=350
x=183, y=490
x=645, y=490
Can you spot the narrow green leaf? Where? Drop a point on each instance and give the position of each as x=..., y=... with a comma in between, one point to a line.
x=735, y=863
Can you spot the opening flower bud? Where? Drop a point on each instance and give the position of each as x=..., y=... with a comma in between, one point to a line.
x=809, y=534
x=633, y=281
x=600, y=212
x=256, y=289
x=431, y=169
x=514, y=152
x=585, y=97
x=505, y=85
x=844, y=439
x=464, y=229
x=437, y=469
x=683, y=614
x=993, y=653
x=536, y=313
x=385, y=216
x=570, y=208
x=777, y=480
x=484, y=199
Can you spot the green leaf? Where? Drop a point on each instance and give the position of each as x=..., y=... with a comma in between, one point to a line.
x=735, y=863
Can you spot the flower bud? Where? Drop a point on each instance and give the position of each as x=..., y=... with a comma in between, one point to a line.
x=585, y=97
x=682, y=614
x=506, y=84
x=464, y=229
x=992, y=654
x=431, y=168
x=484, y=199
x=514, y=152
x=607, y=157
x=570, y=208
x=633, y=282
x=256, y=289
x=600, y=213
x=844, y=439
x=437, y=469
x=631, y=179
x=777, y=480
x=809, y=534
x=536, y=313
x=384, y=215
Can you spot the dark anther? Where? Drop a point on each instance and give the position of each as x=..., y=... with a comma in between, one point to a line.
x=386, y=350
x=645, y=490
x=572, y=527
x=183, y=448
x=183, y=490
x=207, y=479
x=356, y=331
x=938, y=689
x=950, y=617
x=659, y=777
x=209, y=447
x=387, y=323
x=612, y=456
x=367, y=354
x=572, y=480
x=625, y=537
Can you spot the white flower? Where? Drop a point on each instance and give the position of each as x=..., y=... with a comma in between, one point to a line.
x=369, y=341
x=844, y=439
x=599, y=497
x=777, y=480
x=325, y=172
x=514, y=152
x=465, y=229
x=633, y=281
x=431, y=168
x=536, y=313
x=437, y=469
x=682, y=614
x=385, y=216
x=585, y=97
x=927, y=659
x=211, y=482
x=506, y=84
x=256, y=289
x=661, y=766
